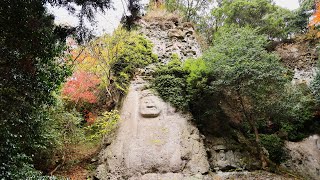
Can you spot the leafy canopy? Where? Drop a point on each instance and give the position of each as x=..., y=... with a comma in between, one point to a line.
x=268, y=18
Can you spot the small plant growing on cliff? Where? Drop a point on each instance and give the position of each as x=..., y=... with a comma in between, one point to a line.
x=104, y=125
x=170, y=82
x=315, y=85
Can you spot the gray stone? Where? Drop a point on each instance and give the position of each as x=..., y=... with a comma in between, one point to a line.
x=169, y=38
x=148, y=107
x=304, y=157
x=156, y=145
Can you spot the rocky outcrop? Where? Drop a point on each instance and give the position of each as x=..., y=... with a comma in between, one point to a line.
x=171, y=37
x=153, y=142
x=301, y=57
x=224, y=155
x=304, y=157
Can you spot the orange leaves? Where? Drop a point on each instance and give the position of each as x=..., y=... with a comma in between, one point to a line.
x=316, y=16
x=314, y=32
x=81, y=88
x=89, y=117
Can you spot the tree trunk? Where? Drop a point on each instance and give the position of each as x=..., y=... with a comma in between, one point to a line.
x=263, y=158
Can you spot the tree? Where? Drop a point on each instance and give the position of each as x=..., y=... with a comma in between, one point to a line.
x=246, y=75
x=238, y=83
x=299, y=20
x=81, y=88
x=113, y=59
x=190, y=9
x=134, y=9
x=88, y=9
x=236, y=76
x=31, y=71
x=268, y=18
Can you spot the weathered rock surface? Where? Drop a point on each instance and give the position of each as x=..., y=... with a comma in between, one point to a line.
x=171, y=38
x=304, y=157
x=256, y=175
x=153, y=142
x=224, y=155
x=301, y=57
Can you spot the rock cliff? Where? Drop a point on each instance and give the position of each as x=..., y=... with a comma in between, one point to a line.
x=304, y=157
x=155, y=142
x=171, y=37
x=301, y=57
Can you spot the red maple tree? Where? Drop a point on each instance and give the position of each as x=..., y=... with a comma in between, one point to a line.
x=81, y=88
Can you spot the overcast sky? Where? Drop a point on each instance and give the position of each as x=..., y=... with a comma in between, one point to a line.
x=290, y=4
x=110, y=20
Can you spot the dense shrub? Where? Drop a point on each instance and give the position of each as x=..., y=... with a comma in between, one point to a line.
x=135, y=52
x=170, y=82
x=297, y=109
x=275, y=147
x=104, y=125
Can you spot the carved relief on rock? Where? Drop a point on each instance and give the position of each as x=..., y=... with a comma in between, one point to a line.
x=149, y=107
x=223, y=158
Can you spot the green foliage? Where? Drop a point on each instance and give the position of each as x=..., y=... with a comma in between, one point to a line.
x=300, y=20
x=136, y=52
x=268, y=18
x=115, y=58
x=274, y=146
x=297, y=111
x=170, y=82
x=245, y=71
x=246, y=77
x=104, y=125
x=30, y=72
x=237, y=77
x=278, y=24
x=190, y=10
x=65, y=126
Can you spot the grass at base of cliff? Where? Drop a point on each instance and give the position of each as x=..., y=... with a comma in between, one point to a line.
x=80, y=163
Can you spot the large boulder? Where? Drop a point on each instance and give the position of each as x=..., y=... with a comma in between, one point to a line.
x=304, y=157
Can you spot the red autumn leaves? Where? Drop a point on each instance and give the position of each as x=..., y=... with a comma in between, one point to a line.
x=81, y=88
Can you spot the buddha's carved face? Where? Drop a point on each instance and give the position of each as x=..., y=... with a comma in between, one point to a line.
x=148, y=107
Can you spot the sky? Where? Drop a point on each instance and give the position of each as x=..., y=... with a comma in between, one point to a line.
x=107, y=22
x=289, y=4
